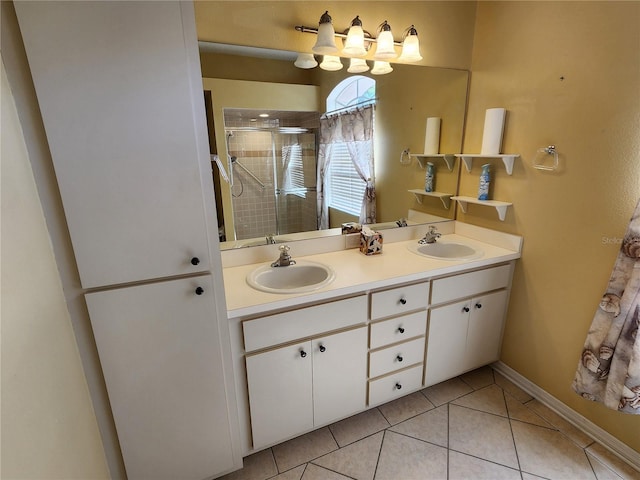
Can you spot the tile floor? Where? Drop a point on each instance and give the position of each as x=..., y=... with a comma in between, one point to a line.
x=476, y=426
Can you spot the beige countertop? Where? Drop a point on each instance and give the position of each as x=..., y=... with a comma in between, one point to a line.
x=356, y=273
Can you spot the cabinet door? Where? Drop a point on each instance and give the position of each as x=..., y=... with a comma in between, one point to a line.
x=339, y=375
x=280, y=395
x=115, y=84
x=485, y=329
x=446, y=345
x=160, y=353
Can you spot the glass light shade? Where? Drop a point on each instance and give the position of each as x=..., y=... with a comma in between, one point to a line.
x=331, y=63
x=381, y=67
x=410, y=49
x=385, y=49
x=326, y=42
x=357, y=65
x=354, y=45
x=305, y=60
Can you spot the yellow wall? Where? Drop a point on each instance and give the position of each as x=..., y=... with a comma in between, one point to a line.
x=568, y=74
x=49, y=428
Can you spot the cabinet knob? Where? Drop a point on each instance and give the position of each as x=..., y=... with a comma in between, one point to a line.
x=399, y=358
x=199, y=291
x=195, y=261
x=403, y=301
x=465, y=309
x=398, y=386
x=478, y=305
x=303, y=353
x=322, y=348
x=400, y=329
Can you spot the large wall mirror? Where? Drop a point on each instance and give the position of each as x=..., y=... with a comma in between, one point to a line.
x=255, y=194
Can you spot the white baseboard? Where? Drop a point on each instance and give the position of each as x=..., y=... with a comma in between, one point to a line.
x=601, y=436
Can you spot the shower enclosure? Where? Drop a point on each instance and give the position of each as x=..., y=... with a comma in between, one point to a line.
x=273, y=161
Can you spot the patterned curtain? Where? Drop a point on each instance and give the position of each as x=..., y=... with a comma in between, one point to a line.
x=609, y=369
x=354, y=128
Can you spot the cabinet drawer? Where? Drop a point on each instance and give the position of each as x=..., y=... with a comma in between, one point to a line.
x=398, y=329
x=396, y=357
x=467, y=284
x=395, y=385
x=285, y=327
x=399, y=300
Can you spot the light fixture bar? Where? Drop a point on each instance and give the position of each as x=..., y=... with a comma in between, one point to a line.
x=303, y=29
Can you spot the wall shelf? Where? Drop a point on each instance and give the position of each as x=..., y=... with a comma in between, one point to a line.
x=448, y=158
x=444, y=197
x=501, y=207
x=507, y=158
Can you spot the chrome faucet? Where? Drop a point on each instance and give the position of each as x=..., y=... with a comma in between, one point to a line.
x=285, y=259
x=271, y=239
x=431, y=236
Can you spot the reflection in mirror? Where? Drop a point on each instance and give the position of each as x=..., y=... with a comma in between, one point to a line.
x=272, y=173
x=405, y=98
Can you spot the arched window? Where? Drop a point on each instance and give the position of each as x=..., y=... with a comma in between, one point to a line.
x=355, y=90
x=346, y=187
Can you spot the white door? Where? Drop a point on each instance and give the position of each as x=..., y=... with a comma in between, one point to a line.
x=485, y=329
x=159, y=347
x=339, y=375
x=115, y=84
x=447, y=340
x=280, y=393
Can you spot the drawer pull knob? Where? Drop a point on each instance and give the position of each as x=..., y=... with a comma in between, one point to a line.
x=195, y=261
x=399, y=358
x=303, y=353
x=322, y=348
x=400, y=329
x=398, y=386
x=465, y=309
x=403, y=301
x=199, y=291
x=478, y=305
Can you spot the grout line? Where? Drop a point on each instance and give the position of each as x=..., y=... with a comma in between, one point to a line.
x=448, y=437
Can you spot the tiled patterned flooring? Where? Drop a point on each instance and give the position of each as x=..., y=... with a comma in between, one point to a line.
x=476, y=426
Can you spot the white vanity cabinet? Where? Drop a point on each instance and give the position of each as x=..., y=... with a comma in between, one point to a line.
x=308, y=382
x=467, y=333
x=397, y=341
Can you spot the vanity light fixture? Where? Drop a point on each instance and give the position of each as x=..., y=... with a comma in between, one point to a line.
x=381, y=67
x=354, y=44
x=326, y=42
x=357, y=65
x=385, y=49
x=305, y=60
x=331, y=63
x=410, y=46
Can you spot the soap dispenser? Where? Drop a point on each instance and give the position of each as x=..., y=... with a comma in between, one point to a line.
x=483, y=190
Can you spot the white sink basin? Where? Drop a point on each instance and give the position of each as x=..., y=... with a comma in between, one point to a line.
x=444, y=250
x=304, y=276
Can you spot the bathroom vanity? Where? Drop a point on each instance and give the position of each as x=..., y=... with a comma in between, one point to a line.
x=387, y=326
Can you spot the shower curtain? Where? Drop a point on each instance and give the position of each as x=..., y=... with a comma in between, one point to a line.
x=609, y=369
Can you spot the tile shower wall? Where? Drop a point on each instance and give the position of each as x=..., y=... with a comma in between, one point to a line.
x=259, y=211
x=254, y=207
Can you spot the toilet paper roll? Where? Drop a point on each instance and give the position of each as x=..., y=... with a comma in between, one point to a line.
x=432, y=136
x=493, y=127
